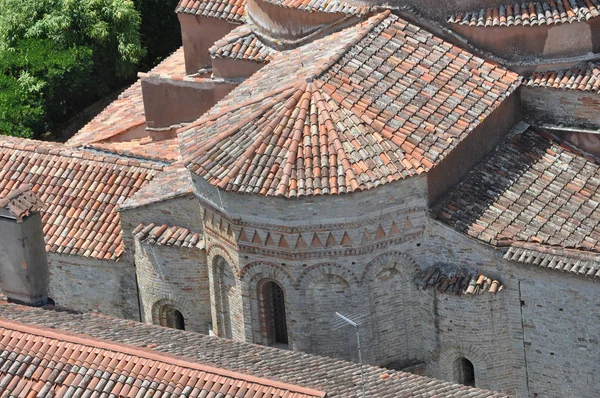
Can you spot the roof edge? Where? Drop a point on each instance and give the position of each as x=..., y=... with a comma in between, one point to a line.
x=148, y=353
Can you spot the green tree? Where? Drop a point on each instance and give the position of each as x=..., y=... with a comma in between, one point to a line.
x=110, y=28
x=58, y=56
x=41, y=84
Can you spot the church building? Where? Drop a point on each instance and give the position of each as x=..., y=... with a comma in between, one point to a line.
x=430, y=169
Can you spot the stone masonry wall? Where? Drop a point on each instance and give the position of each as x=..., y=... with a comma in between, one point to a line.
x=538, y=336
x=353, y=262
x=177, y=277
x=93, y=285
x=485, y=329
x=561, y=314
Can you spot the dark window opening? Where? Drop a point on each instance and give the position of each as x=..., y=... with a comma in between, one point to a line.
x=178, y=322
x=274, y=301
x=466, y=372
x=171, y=318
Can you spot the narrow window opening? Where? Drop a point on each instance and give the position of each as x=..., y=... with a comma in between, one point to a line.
x=466, y=372
x=178, y=321
x=276, y=322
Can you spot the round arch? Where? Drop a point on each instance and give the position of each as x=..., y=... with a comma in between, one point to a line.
x=225, y=284
x=214, y=251
x=323, y=290
x=319, y=270
x=164, y=309
x=253, y=277
x=401, y=261
x=449, y=362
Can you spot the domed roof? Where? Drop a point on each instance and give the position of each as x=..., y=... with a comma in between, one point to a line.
x=374, y=103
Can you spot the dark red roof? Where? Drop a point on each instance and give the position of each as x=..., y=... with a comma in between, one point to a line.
x=374, y=103
x=335, y=377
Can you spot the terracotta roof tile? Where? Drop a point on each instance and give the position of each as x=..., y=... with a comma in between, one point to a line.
x=371, y=104
x=165, y=235
x=21, y=202
x=242, y=43
x=327, y=6
x=84, y=369
x=175, y=181
x=107, y=131
x=459, y=281
x=584, y=77
x=230, y=10
x=547, y=12
x=335, y=377
x=78, y=188
x=532, y=189
x=163, y=150
x=570, y=261
x=122, y=115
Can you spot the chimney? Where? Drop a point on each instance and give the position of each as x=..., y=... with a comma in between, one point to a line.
x=23, y=262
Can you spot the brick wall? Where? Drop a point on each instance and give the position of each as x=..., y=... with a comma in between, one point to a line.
x=537, y=337
x=561, y=333
x=177, y=277
x=560, y=107
x=92, y=285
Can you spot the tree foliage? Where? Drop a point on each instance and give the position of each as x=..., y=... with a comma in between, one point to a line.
x=57, y=56
x=160, y=30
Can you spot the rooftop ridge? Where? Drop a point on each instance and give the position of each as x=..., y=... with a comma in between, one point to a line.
x=582, y=77
x=59, y=149
x=545, y=12
x=368, y=26
x=146, y=353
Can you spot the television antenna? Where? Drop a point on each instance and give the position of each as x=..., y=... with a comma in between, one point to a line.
x=353, y=320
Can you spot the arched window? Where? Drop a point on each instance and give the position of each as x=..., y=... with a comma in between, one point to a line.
x=273, y=299
x=171, y=317
x=178, y=322
x=466, y=372
x=225, y=282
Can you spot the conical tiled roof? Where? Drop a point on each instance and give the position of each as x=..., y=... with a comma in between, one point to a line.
x=374, y=103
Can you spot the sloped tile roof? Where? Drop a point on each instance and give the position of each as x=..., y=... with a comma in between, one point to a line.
x=335, y=377
x=242, y=43
x=175, y=181
x=122, y=115
x=165, y=235
x=161, y=150
x=107, y=132
x=81, y=191
x=531, y=190
x=548, y=12
x=45, y=363
x=572, y=262
x=579, y=78
x=327, y=6
x=229, y=10
x=374, y=103
x=173, y=68
x=458, y=281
